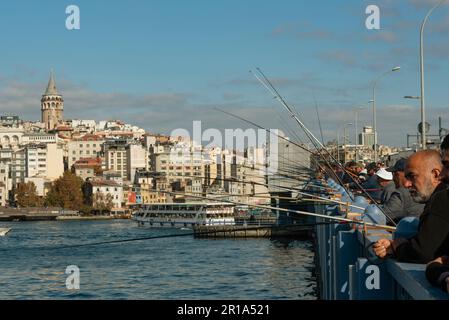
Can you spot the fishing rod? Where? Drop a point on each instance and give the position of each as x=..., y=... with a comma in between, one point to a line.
x=311, y=214
x=269, y=86
x=272, y=90
x=287, y=126
x=273, y=133
x=297, y=190
x=270, y=131
x=318, y=116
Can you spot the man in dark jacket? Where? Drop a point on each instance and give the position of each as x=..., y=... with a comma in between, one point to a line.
x=400, y=204
x=422, y=171
x=437, y=271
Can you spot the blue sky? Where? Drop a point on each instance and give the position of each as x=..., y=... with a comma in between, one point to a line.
x=162, y=64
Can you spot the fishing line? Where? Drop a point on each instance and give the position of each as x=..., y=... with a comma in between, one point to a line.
x=182, y=235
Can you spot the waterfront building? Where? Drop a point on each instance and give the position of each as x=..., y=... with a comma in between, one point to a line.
x=97, y=191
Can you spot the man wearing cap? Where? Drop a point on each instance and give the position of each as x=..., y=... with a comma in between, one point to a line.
x=400, y=204
x=380, y=185
x=385, y=179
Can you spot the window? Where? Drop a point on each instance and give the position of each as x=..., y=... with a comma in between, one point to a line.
x=73, y=152
x=94, y=145
x=81, y=145
x=81, y=153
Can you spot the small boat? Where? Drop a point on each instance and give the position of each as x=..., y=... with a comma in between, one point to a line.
x=4, y=231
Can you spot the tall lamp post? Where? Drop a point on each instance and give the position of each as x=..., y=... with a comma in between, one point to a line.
x=423, y=127
x=423, y=97
x=338, y=140
x=374, y=108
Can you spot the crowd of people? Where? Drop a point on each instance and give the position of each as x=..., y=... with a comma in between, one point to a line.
x=414, y=187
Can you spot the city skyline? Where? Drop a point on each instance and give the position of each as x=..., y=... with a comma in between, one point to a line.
x=161, y=66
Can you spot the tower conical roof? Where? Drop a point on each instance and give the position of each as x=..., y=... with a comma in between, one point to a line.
x=51, y=88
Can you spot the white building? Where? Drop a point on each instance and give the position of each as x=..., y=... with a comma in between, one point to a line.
x=137, y=158
x=44, y=160
x=11, y=137
x=105, y=187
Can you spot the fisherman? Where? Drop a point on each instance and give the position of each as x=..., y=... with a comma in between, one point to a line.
x=380, y=185
x=363, y=175
x=385, y=179
x=371, y=169
x=422, y=171
x=437, y=271
x=400, y=204
x=350, y=172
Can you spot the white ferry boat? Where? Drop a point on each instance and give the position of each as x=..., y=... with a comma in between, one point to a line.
x=185, y=215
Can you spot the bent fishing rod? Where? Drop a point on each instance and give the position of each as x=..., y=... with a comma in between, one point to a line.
x=269, y=86
x=305, y=213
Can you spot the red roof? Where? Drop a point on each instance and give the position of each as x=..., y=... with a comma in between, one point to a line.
x=89, y=137
x=87, y=162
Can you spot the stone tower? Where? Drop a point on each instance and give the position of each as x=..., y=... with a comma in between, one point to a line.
x=52, y=105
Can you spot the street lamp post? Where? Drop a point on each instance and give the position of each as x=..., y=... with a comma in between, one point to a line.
x=423, y=98
x=374, y=108
x=423, y=127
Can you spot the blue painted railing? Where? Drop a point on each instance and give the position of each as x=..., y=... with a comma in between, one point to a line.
x=348, y=269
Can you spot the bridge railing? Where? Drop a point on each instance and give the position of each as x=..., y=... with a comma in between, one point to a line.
x=348, y=269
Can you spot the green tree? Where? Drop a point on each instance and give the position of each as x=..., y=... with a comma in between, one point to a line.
x=66, y=192
x=26, y=195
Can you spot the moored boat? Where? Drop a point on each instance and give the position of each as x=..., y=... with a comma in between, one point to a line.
x=184, y=215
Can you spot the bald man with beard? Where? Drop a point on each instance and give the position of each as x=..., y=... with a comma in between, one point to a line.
x=422, y=171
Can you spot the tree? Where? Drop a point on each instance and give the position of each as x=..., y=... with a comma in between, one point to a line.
x=26, y=195
x=66, y=192
x=102, y=202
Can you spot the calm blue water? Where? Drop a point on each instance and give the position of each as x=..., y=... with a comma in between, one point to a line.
x=168, y=268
